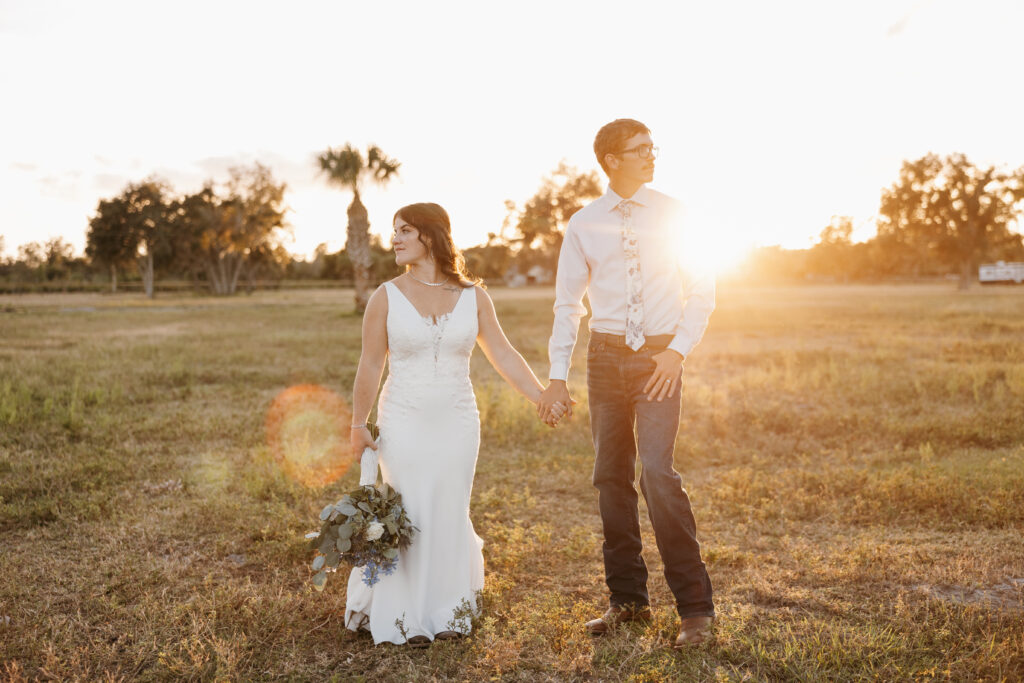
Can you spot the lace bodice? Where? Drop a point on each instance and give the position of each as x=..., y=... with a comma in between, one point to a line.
x=429, y=357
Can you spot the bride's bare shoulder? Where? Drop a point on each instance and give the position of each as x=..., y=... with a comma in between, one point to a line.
x=378, y=301
x=483, y=299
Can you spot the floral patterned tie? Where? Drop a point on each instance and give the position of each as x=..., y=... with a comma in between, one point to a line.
x=634, y=283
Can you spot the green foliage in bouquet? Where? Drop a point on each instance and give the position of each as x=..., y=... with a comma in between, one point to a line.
x=366, y=528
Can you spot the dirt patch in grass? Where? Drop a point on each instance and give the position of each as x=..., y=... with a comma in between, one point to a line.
x=1008, y=595
x=160, y=330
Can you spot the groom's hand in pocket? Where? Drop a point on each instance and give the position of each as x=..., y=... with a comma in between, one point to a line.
x=556, y=392
x=668, y=372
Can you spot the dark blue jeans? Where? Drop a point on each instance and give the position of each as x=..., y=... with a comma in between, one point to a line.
x=624, y=423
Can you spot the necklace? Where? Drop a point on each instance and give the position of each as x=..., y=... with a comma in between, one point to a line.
x=422, y=282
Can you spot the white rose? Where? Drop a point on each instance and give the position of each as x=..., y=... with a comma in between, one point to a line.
x=374, y=531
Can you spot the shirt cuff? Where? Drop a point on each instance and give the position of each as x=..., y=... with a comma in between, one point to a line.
x=559, y=371
x=679, y=345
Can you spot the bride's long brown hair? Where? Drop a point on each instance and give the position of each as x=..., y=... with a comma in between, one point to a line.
x=435, y=228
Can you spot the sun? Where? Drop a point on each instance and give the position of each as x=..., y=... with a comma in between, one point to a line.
x=710, y=253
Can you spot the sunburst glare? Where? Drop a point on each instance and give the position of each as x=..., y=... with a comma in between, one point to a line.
x=708, y=251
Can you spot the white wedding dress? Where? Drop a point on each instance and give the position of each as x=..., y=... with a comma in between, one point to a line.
x=429, y=436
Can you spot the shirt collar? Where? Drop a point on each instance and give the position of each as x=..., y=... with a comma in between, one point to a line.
x=612, y=199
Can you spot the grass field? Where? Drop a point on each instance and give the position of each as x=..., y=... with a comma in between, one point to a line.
x=855, y=458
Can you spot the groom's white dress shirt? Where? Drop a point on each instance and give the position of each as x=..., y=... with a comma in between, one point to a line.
x=676, y=302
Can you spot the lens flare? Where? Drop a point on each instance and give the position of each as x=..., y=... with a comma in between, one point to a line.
x=307, y=431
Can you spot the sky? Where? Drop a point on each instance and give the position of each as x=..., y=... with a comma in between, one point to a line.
x=771, y=117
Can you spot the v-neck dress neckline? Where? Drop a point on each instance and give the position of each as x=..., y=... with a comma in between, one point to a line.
x=431, y=320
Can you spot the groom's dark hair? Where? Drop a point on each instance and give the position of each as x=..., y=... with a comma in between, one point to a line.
x=612, y=137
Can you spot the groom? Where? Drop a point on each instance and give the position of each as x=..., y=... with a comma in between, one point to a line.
x=647, y=316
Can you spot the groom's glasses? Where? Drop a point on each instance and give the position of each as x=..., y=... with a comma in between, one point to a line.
x=643, y=151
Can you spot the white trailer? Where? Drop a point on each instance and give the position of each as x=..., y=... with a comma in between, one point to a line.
x=1000, y=271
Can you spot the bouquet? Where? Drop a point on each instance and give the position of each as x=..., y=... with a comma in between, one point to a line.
x=366, y=528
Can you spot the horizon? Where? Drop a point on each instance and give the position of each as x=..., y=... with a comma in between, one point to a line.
x=770, y=120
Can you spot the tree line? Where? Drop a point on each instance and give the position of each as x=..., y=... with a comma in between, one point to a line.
x=213, y=235
x=942, y=215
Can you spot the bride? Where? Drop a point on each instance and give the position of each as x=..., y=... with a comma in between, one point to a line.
x=425, y=323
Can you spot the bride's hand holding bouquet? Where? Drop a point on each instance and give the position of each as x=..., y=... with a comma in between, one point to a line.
x=366, y=528
x=362, y=437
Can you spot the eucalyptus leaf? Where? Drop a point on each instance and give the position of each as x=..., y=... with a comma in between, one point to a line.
x=364, y=507
x=319, y=580
x=318, y=562
x=344, y=544
x=332, y=559
x=326, y=512
x=345, y=531
x=391, y=553
x=347, y=509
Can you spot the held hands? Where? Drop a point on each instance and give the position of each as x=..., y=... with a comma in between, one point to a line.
x=554, y=403
x=667, y=375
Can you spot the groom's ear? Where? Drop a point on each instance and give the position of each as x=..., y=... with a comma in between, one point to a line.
x=611, y=161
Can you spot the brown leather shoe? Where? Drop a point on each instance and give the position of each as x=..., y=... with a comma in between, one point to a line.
x=694, y=631
x=418, y=642
x=616, y=615
x=448, y=635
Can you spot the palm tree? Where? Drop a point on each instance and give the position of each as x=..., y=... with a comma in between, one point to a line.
x=346, y=168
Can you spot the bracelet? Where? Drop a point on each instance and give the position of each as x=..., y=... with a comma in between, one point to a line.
x=362, y=426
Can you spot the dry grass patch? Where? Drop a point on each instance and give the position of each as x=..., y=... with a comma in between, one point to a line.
x=854, y=455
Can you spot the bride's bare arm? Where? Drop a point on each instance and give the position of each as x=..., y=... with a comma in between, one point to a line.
x=371, y=367
x=502, y=355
